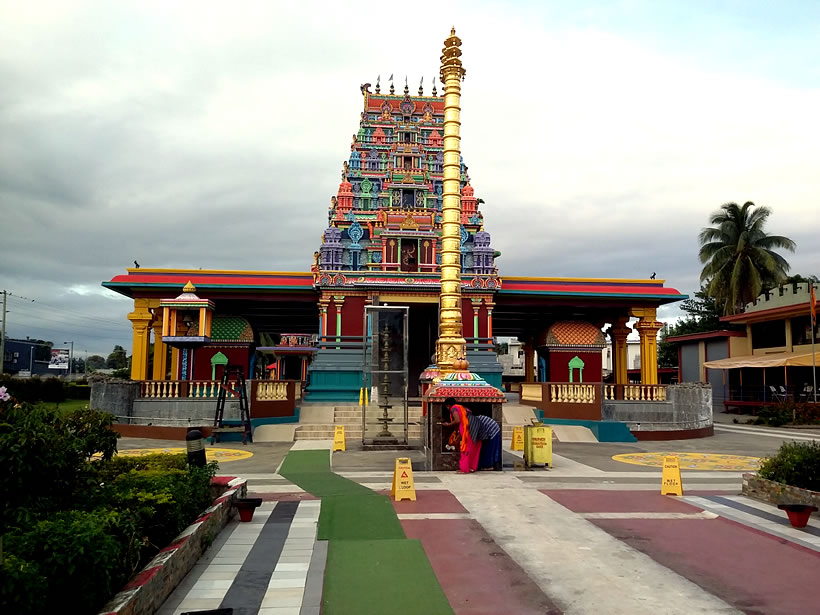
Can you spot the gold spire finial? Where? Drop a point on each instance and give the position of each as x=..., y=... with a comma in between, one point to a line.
x=450, y=57
x=189, y=287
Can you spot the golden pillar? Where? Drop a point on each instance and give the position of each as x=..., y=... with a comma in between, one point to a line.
x=619, y=332
x=160, y=352
x=140, y=319
x=648, y=327
x=451, y=344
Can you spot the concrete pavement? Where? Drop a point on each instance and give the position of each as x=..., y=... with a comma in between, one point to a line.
x=591, y=535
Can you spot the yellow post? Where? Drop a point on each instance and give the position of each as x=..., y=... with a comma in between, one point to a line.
x=451, y=345
x=619, y=332
x=160, y=352
x=140, y=319
x=648, y=328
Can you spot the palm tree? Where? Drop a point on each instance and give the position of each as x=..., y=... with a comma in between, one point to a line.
x=740, y=261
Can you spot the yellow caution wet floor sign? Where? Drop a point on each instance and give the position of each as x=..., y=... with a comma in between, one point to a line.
x=403, y=487
x=670, y=480
x=339, y=438
x=518, y=438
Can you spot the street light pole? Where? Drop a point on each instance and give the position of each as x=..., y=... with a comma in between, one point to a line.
x=70, y=358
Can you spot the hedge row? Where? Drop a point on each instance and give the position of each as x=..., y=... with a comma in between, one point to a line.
x=51, y=390
x=76, y=528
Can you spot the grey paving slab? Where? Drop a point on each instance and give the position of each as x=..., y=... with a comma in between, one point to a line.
x=251, y=582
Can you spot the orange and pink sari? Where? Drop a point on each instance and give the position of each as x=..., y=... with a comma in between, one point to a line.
x=470, y=449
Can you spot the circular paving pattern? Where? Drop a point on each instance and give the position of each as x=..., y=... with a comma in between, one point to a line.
x=221, y=455
x=694, y=461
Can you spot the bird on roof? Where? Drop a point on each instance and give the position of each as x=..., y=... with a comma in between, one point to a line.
x=365, y=87
x=652, y=277
x=136, y=264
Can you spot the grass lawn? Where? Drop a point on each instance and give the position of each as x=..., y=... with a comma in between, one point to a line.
x=69, y=405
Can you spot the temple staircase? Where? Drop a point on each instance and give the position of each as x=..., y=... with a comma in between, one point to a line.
x=319, y=421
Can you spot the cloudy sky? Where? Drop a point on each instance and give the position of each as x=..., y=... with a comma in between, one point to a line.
x=210, y=134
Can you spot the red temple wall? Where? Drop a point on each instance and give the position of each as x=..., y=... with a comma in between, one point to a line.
x=353, y=316
x=331, y=319
x=558, y=365
x=237, y=355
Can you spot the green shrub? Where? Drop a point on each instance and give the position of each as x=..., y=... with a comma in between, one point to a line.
x=796, y=464
x=22, y=586
x=85, y=557
x=50, y=450
x=74, y=390
x=163, y=502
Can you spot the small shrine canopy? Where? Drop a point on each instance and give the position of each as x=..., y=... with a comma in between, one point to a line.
x=464, y=386
x=780, y=359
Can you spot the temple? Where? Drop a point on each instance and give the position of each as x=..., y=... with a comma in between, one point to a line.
x=381, y=245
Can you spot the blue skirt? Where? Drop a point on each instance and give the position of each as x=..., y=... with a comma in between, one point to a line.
x=490, y=456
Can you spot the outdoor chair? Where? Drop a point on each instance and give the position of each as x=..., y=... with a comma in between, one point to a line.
x=776, y=395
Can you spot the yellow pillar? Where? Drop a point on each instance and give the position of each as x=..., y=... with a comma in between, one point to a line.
x=140, y=319
x=451, y=344
x=648, y=327
x=619, y=332
x=175, y=358
x=160, y=352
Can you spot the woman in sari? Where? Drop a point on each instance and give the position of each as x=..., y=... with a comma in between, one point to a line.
x=470, y=448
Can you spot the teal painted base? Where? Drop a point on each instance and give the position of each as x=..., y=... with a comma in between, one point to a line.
x=334, y=386
x=492, y=378
x=605, y=431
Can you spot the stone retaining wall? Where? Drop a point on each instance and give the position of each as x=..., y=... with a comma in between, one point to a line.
x=149, y=588
x=688, y=408
x=778, y=493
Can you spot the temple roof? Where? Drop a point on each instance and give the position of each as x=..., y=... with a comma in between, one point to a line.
x=139, y=282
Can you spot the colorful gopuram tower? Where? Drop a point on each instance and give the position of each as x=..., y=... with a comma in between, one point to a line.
x=383, y=243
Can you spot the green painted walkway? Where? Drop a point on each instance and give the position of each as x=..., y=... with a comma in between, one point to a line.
x=371, y=566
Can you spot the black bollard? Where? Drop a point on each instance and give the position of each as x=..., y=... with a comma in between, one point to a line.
x=196, y=448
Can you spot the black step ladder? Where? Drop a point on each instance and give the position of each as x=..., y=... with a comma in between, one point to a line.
x=236, y=374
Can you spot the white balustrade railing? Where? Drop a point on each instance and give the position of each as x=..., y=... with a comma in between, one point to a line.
x=572, y=393
x=173, y=389
x=635, y=392
x=272, y=390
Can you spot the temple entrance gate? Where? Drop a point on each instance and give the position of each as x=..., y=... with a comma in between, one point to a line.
x=385, y=376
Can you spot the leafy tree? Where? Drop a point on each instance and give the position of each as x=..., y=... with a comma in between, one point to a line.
x=95, y=361
x=739, y=257
x=117, y=359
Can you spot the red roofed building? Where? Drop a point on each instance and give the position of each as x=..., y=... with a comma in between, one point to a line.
x=382, y=246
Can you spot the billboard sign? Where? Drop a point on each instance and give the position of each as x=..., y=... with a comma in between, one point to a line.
x=59, y=359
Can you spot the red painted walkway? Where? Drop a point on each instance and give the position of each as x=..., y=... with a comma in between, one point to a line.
x=754, y=571
x=477, y=576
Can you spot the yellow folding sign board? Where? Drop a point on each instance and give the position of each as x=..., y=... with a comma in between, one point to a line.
x=403, y=487
x=518, y=438
x=670, y=480
x=339, y=438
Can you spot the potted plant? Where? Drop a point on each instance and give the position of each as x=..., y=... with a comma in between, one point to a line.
x=246, y=506
x=791, y=479
x=798, y=513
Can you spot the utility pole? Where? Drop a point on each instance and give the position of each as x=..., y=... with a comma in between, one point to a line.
x=3, y=334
